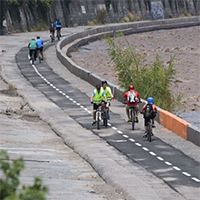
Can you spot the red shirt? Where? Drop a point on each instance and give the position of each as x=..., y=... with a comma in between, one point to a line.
x=126, y=96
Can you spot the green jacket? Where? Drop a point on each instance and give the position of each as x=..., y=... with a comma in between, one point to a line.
x=98, y=97
x=32, y=45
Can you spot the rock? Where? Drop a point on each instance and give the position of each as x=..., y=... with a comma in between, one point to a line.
x=167, y=50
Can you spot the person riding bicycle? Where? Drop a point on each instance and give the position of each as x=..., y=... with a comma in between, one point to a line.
x=52, y=30
x=149, y=111
x=58, y=27
x=131, y=99
x=98, y=96
x=33, y=48
x=40, y=46
x=108, y=93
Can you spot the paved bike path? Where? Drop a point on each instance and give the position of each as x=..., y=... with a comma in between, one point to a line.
x=164, y=161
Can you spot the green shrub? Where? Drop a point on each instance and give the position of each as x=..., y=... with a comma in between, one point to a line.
x=10, y=182
x=101, y=16
x=149, y=80
x=126, y=19
x=41, y=26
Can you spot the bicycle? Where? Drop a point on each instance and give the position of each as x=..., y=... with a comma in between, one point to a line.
x=102, y=115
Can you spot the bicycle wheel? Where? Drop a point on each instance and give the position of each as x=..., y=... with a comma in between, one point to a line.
x=149, y=132
x=105, y=119
x=98, y=120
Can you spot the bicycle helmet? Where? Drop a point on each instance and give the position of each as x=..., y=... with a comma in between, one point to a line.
x=131, y=87
x=150, y=100
x=104, y=81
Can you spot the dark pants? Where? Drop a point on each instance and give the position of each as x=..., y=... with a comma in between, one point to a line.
x=33, y=52
x=147, y=119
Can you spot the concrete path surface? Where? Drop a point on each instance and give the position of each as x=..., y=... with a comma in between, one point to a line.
x=61, y=167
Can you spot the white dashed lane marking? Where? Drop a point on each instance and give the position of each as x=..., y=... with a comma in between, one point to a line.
x=138, y=144
x=176, y=168
x=186, y=174
x=114, y=128
x=159, y=158
x=132, y=140
x=152, y=153
x=144, y=148
x=168, y=163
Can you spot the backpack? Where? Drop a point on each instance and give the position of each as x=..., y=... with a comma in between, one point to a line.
x=131, y=97
x=148, y=111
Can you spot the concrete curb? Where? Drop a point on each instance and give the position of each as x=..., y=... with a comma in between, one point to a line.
x=66, y=45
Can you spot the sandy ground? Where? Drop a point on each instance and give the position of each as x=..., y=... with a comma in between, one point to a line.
x=183, y=43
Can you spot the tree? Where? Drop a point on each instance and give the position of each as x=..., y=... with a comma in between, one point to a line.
x=10, y=181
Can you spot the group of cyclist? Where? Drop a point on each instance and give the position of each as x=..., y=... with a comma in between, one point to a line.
x=102, y=96
x=55, y=26
x=35, y=47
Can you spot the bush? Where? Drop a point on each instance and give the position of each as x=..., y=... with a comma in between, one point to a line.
x=149, y=80
x=126, y=19
x=101, y=16
x=10, y=181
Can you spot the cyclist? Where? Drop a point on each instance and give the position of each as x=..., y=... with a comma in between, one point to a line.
x=97, y=98
x=149, y=111
x=40, y=46
x=52, y=30
x=58, y=27
x=33, y=48
x=108, y=93
x=131, y=99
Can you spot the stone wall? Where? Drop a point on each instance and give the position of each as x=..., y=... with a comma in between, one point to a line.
x=79, y=12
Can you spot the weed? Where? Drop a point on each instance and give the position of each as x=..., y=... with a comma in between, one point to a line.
x=149, y=80
x=11, y=87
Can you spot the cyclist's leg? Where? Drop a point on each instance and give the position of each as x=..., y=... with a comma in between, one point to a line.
x=136, y=113
x=128, y=112
x=95, y=107
x=153, y=119
x=146, y=121
x=35, y=53
x=41, y=52
x=108, y=107
x=30, y=53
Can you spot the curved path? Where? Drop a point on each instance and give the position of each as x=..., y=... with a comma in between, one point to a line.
x=121, y=157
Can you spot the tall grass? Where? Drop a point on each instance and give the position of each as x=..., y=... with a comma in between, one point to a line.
x=149, y=79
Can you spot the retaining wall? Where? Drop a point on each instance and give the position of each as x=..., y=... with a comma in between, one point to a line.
x=67, y=44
